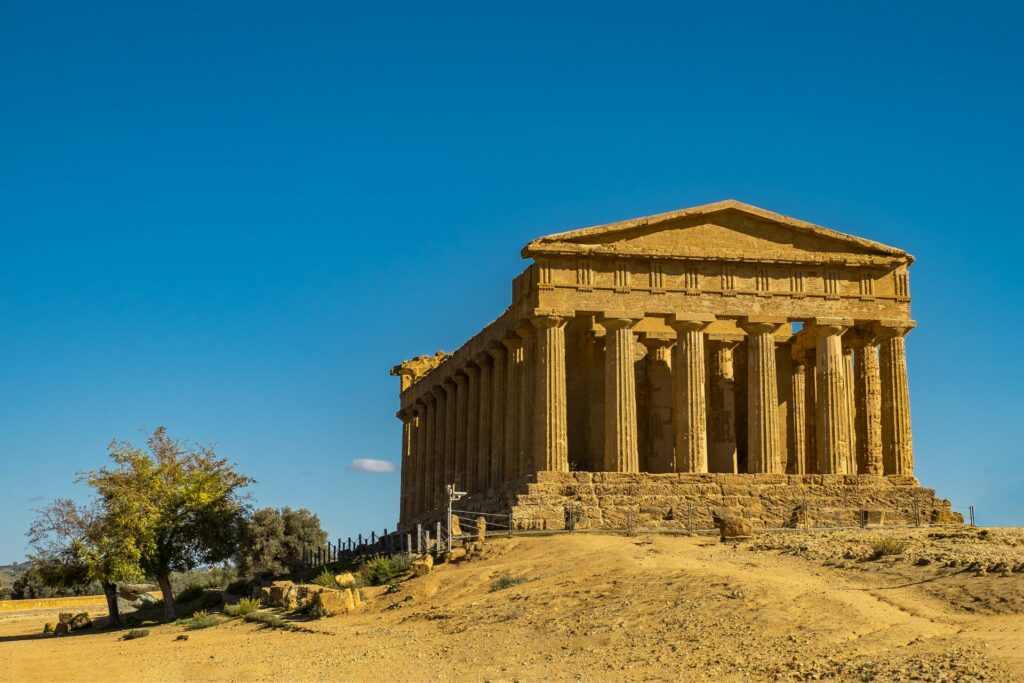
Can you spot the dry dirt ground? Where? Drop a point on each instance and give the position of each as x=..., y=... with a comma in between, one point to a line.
x=796, y=606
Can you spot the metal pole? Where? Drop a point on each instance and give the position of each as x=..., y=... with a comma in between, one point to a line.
x=689, y=518
x=426, y=540
x=917, y=513
x=448, y=521
x=419, y=539
x=438, y=536
x=971, y=508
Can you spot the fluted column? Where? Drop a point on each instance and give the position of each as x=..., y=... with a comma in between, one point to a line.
x=458, y=471
x=528, y=380
x=722, y=416
x=406, y=462
x=550, y=427
x=868, y=398
x=420, y=465
x=499, y=416
x=811, y=413
x=689, y=397
x=660, y=455
x=483, y=425
x=850, y=406
x=832, y=423
x=764, y=452
x=470, y=425
x=620, y=429
x=897, y=442
x=513, y=407
x=435, y=408
x=798, y=418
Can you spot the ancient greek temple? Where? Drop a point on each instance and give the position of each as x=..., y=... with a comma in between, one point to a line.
x=721, y=355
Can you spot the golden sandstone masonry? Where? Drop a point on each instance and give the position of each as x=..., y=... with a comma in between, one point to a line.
x=652, y=370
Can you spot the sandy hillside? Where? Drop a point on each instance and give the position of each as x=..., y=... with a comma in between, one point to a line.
x=785, y=607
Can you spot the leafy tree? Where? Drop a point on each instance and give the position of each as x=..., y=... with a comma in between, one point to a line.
x=73, y=546
x=273, y=540
x=178, y=504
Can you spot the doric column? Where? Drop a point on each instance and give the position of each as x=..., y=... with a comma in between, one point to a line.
x=851, y=410
x=404, y=469
x=620, y=433
x=450, y=422
x=798, y=417
x=528, y=379
x=689, y=402
x=722, y=415
x=513, y=386
x=496, y=473
x=868, y=398
x=764, y=452
x=897, y=442
x=550, y=427
x=483, y=425
x=419, y=446
x=458, y=471
x=660, y=455
x=832, y=423
x=472, y=422
x=811, y=413
x=435, y=410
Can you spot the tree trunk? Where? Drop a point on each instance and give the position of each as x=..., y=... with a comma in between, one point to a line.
x=110, y=590
x=165, y=587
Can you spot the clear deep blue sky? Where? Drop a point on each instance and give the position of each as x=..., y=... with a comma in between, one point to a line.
x=234, y=218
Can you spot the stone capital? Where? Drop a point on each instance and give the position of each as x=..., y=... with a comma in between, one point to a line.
x=889, y=329
x=496, y=350
x=404, y=415
x=760, y=324
x=686, y=322
x=525, y=329
x=460, y=377
x=617, y=320
x=448, y=386
x=657, y=340
x=513, y=341
x=548, y=320
x=859, y=337
x=436, y=393
x=822, y=327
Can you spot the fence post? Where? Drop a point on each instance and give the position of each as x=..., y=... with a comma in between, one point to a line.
x=917, y=513
x=419, y=539
x=438, y=535
x=689, y=518
x=408, y=543
x=971, y=510
x=426, y=541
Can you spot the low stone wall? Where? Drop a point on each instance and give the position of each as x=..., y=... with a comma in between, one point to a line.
x=680, y=501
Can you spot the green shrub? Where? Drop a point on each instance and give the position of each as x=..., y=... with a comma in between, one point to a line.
x=135, y=633
x=325, y=579
x=240, y=587
x=887, y=546
x=245, y=606
x=507, y=581
x=268, y=620
x=379, y=570
x=199, y=620
x=192, y=592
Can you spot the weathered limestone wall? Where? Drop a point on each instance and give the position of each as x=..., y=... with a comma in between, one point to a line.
x=614, y=500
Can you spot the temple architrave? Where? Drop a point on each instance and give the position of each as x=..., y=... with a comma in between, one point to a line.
x=652, y=371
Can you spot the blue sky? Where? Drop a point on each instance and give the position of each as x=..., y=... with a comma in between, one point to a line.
x=234, y=218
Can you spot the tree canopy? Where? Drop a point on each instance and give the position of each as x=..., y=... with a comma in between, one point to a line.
x=273, y=540
x=177, y=504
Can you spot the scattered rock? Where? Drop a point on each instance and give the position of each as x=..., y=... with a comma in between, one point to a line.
x=734, y=527
x=481, y=529
x=80, y=621
x=49, y=627
x=345, y=579
x=455, y=554
x=183, y=636
x=455, y=529
x=422, y=566
x=61, y=629
x=330, y=602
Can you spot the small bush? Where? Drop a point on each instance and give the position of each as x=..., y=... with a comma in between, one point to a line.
x=192, y=592
x=240, y=587
x=326, y=579
x=268, y=620
x=245, y=606
x=383, y=569
x=135, y=633
x=887, y=546
x=507, y=581
x=199, y=620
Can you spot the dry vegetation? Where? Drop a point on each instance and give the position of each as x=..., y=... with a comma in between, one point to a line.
x=928, y=604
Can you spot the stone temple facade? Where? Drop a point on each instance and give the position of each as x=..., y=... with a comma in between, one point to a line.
x=651, y=371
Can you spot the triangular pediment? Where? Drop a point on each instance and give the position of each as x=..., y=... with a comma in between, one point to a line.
x=723, y=230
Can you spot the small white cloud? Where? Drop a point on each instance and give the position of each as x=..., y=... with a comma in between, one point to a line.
x=371, y=465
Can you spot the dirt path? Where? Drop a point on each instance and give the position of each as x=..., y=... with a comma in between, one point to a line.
x=595, y=608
